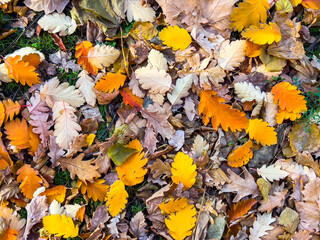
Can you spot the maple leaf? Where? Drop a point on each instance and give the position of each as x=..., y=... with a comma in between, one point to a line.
x=181, y=223
x=243, y=187
x=272, y=172
x=153, y=79
x=135, y=11
x=183, y=170
x=110, y=82
x=84, y=170
x=58, y=23
x=21, y=71
x=175, y=37
x=264, y=34
x=116, y=198
x=18, y=134
x=212, y=106
x=60, y=226
x=241, y=156
x=261, y=132
x=96, y=189
x=30, y=182
x=131, y=172
x=261, y=225
x=174, y=205
x=249, y=12
x=240, y=209
x=232, y=55
x=11, y=109
x=57, y=193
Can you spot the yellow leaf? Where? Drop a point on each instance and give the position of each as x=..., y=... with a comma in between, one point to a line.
x=173, y=205
x=116, y=198
x=264, y=34
x=261, y=132
x=212, y=106
x=241, y=156
x=252, y=50
x=17, y=132
x=249, y=12
x=175, y=37
x=131, y=172
x=21, y=71
x=284, y=6
x=284, y=114
x=110, y=82
x=96, y=189
x=2, y=114
x=183, y=170
x=57, y=193
x=30, y=182
x=90, y=139
x=295, y=2
x=180, y=224
x=11, y=108
x=60, y=226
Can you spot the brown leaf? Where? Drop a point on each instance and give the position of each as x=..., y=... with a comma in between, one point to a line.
x=48, y=6
x=302, y=139
x=138, y=225
x=159, y=168
x=78, y=143
x=276, y=200
x=100, y=215
x=85, y=170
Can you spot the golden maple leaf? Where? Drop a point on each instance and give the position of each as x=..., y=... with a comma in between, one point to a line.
x=18, y=133
x=116, y=198
x=57, y=193
x=181, y=223
x=241, y=156
x=96, y=189
x=173, y=205
x=131, y=172
x=110, y=82
x=264, y=34
x=29, y=179
x=21, y=71
x=261, y=132
x=212, y=106
x=175, y=37
x=60, y=226
x=249, y=12
x=183, y=170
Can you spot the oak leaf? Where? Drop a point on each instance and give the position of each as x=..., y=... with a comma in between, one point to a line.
x=175, y=37
x=95, y=189
x=85, y=84
x=181, y=223
x=159, y=168
x=60, y=226
x=249, y=12
x=241, y=156
x=174, y=205
x=240, y=209
x=57, y=193
x=11, y=109
x=183, y=170
x=58, y=23
x=131, y=172
x=110, y=82
x=116, y=198
x=264, y=34
x=135, y=11
x=232, y=54
x=275, y=200
x=21, y=71
x=18, y=133
x=261, y=225
x=261, y=132
x=84, y=170
x=29, y=179
x=211, y=106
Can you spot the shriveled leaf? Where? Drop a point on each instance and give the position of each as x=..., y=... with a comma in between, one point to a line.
x=241, y=156
x=116, y=198
x=60, y=225
x=58, y=23
x=175, y=37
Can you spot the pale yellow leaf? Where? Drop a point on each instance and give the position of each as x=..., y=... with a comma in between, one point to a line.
x=232, y=55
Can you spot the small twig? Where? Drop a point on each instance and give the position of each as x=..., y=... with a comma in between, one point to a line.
x=15, y=94
x=23, y=32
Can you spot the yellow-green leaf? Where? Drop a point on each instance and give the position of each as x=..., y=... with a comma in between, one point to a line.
x=175, y=37
x=117, y=198
x=264, y=34
x=183, y=170
x=120, y=153
x=284, y=6
x=60, y=226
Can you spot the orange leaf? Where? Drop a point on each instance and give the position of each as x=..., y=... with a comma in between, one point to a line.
x=21, y=71
x=34, y=141
x=33, y=59
x=3, y=152
x=96, y=189
x=212, y=106
x=30, y=182
x=18, y=133
x=241, y=156
x=2, y=114
x=252, y=50
x=284, y=114
x=57, y=193
x=3, y=164
x=261, y=132
x=289, y=97
x=240, y=209
x=132, y=100
x=10, y=234
x=12, y=109
x=110, y=82
x=82, y=50
x=314, y=4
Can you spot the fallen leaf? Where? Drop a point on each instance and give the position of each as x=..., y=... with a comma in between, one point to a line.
x=175, y=37
x=232, y=54
x=272, y=172
x=58, y=23
x=110, y=82
x=60, y=225
x=116, y=198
